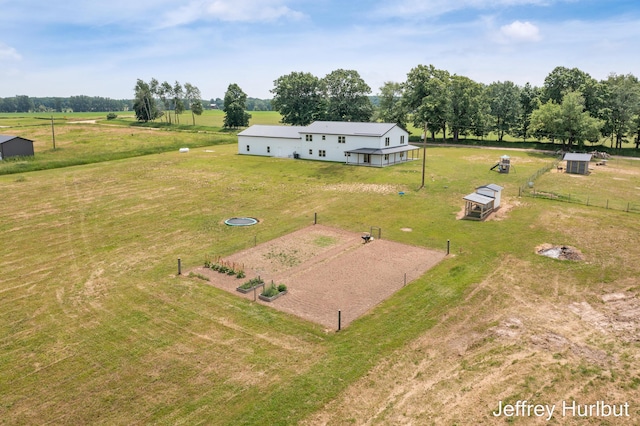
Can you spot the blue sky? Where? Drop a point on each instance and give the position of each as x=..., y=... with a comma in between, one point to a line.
x=100, y=48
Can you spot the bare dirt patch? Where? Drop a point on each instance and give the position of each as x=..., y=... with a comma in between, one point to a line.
x=561, y=252
x=327, y=270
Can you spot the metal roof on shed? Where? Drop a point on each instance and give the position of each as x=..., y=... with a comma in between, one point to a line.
x=577, y=157
x=6, y=138
x=266, y=131
x=349, y=128
x=477, y=198
x=492, y=186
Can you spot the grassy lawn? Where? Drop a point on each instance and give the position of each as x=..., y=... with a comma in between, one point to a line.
x=97, y=328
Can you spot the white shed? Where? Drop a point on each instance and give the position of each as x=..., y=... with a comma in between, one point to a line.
x=492, y=190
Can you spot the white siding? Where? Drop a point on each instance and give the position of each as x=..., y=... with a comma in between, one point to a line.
x=322, y=146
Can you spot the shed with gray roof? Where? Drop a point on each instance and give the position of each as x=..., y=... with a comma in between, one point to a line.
x=15, y=146
x=480, y=204
x=577, y=163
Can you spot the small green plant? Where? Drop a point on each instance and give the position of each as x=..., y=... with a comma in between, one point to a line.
x=270, y=291
x=253, y=282
x=199, y=276
x=112, y=116
x=273, y=290
x=241, y=274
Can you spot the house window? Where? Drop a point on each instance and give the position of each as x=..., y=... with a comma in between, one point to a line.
x=324, y=137
x=322, y=153
x=342, y=139
x=268, y=149
x=310, y=152
x=402, y=155
x=386, y=141
x=308, y=138
x=386, y=157
x=248, y=148
x=401, y=139
x=366, y=158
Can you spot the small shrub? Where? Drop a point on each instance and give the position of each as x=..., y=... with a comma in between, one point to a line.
x=112, y=116
x=207, y=264
x=241, y=274
x=231, y=272
x=270, y=291
x=281, y=288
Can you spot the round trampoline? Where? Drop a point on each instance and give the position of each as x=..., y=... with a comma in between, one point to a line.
x=241, y=221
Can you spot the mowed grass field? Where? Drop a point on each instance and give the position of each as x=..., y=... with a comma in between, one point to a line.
x=97, y=328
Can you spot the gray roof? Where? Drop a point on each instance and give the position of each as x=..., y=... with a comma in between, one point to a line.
x=492, y=186
x=477, y=198
x=349, y=128
x=577, y=157
x=5, y=138
x=381, y=151
x=265, y=131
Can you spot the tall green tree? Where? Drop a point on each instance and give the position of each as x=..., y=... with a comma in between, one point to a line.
x=299, y=98
x=426, y=98
x=347, y=96
x=165, y=93
x=567, y=121
x=622, y=106
x=528, y=103
x=465, y=104
x=392, y=109
x=193, y=96
x=144, y=103
x=563, y=80
x=504, y=100
x=177, y=103
x=234, y=107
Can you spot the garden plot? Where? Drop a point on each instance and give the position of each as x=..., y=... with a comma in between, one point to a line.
x=327, y=270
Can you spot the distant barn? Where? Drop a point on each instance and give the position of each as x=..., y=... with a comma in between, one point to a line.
x=14, y=146
x=577, y=163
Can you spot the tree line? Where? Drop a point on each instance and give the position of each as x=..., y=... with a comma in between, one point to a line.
x=82, y=103
x=571, y=106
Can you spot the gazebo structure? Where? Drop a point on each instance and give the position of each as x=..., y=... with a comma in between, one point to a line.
x=483, y=202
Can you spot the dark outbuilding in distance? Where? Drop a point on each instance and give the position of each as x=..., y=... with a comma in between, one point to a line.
x=14, y=146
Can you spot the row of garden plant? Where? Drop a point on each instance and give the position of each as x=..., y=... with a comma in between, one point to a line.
x=269, y=293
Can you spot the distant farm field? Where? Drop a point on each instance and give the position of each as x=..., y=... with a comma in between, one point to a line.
x=98, y=328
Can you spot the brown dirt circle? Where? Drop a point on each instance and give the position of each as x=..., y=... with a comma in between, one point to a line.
x=327, y=270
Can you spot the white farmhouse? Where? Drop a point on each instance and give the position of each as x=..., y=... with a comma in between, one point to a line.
x=364, y=144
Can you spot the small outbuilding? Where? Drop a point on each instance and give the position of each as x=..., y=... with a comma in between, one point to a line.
x=14, y=146
x=577, y=163
x=483, y=202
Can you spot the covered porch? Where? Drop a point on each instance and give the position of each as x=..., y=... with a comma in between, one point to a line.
x=381, y=157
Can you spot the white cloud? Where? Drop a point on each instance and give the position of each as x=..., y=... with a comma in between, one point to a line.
x=416, y=9
x=231, y=11
x=8, y=53
x=520, y=31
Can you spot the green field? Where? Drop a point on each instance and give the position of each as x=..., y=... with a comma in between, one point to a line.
x=97, y=328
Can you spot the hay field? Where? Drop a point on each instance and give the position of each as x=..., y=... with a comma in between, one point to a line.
x=97, y=328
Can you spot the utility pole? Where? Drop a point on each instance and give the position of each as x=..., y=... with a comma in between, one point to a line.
x=424, y=153
x=53, y=133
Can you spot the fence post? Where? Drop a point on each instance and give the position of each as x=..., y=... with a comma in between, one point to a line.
x=607, y=204
x=448, y=246
x=179, y=267
x=339, y=320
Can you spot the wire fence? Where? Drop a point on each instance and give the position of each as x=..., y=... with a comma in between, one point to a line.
x=587, y=199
